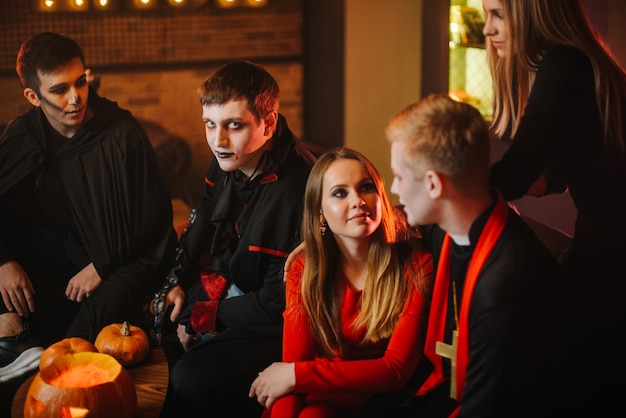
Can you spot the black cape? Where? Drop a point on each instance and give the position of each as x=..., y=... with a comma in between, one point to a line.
x=115, y=193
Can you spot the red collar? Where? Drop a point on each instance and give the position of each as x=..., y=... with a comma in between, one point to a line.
x=439, y=305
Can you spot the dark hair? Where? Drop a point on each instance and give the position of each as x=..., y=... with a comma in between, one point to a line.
x=44, y=52
x=242, y=80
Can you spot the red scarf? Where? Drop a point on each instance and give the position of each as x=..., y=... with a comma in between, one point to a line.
x=439, y=305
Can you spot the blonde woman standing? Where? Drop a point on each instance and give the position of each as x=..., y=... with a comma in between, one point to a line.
x=560, y=96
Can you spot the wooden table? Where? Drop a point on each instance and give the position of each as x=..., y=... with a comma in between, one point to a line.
x=151, y=378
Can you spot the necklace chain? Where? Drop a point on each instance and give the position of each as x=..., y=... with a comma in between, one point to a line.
x=456, y=311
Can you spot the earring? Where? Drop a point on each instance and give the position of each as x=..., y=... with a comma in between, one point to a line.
x=323, y=226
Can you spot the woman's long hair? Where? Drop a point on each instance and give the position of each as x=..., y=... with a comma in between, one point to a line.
x=386, y=287
x=533, y=26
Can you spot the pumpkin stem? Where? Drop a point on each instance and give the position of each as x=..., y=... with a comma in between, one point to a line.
x=125, y=331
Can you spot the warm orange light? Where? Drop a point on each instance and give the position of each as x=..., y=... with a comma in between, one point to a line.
x=72, y=412
x=78, y=5
x=82, y=376
x=226, y=4
x=74, y=384
x=241, y=3
x=186, y=4
x=145, y=4
x=106, y=5
x=44, y=5
x=61, y=6
x=256, y=3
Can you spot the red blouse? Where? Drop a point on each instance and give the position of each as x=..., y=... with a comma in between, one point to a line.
x=333, y=385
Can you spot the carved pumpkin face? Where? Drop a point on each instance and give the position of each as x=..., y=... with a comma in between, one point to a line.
x=84, y=384
x=127, y=343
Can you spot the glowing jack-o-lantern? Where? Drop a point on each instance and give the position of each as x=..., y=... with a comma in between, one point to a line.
x=93, y=385
x=70, y=345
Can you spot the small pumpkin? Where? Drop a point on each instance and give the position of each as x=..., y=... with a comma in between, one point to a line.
x=70, y=345
x=127, y=343
x=85, y=384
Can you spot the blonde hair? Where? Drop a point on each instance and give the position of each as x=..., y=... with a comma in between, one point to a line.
x=533, y=26
x=447, y=136
x=386, y=287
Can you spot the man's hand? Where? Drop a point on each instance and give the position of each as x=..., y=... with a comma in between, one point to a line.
x=176, y=297
x=83, y=284
x=291, y=258
x=16, y=289
x=186, y=340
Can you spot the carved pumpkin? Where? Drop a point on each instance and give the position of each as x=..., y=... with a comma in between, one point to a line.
x=70, y=345
x=84, y=384
x=127, y=343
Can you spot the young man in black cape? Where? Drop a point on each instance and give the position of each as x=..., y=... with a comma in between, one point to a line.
x=86, y=221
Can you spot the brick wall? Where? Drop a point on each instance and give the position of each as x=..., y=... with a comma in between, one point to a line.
x=151, y=63
x=163, y=36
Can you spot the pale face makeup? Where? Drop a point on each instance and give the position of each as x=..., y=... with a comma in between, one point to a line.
x=236, y=139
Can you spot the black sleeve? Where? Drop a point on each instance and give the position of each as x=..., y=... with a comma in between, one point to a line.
x=5, y=252
x=561, y=101
x=196, y=238
x=490, y=316
x=262, y=307
x=121, y=204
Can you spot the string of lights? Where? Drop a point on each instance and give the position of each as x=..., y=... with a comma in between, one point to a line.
x=56, y=6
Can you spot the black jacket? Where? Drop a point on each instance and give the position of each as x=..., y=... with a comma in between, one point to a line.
x=250, y=250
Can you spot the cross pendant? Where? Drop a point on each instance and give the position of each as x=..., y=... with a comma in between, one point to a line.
x=449, y=351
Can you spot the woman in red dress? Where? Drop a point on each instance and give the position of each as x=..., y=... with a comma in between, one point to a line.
x=356, y=302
